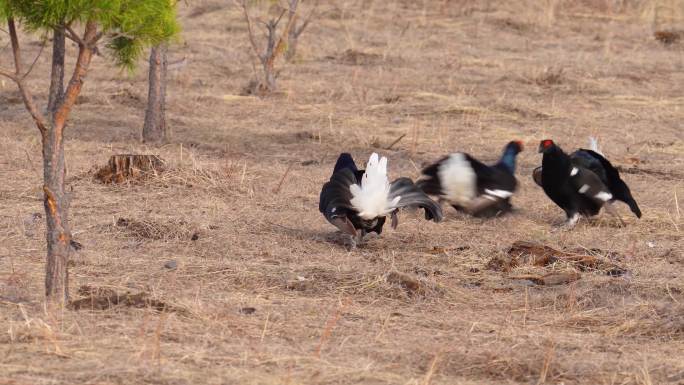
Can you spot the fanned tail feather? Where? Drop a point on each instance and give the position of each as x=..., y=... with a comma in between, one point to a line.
x=594, y=146
x=371, y=199
x=412, y=196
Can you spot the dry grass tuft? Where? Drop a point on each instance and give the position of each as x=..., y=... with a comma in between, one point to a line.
x=358, y=58
x=550, y=76
x=667, y=37
x=107, y=298
x=174, y=229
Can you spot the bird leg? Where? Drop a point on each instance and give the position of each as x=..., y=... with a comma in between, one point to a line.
x=355, y=240
x=480, y=204
x=394, y=219
x=571, y=221
x=610, y=209
x=352, y=243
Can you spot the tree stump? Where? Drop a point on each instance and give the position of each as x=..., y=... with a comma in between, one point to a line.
x=123, y=167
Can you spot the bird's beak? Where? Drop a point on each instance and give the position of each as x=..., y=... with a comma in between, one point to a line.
x=541, y=147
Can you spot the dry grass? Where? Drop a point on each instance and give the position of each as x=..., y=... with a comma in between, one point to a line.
x=266, y=290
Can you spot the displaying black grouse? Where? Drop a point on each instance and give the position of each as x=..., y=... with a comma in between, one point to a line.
x=472, y=186
x=358, y=201
x=581, y=183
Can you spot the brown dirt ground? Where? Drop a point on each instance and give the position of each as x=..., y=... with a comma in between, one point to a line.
x=267, y=294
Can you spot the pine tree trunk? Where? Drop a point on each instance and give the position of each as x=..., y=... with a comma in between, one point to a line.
x=155, y=129
x=56, y=92
x=56, y=201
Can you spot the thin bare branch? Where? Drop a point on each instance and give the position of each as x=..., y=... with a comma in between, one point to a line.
x=307, y=21
x=281, y=42
x=25, y=93
x=74, y=37
x=282, y=13
x=8, y=73
x=243, y=3
x=16, y=50
x=42, y=47
x=92, y=44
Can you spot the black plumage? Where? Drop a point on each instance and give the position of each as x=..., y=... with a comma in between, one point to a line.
x=608, y=174
x=337, y=207
x=581, y=183
x=472, y=186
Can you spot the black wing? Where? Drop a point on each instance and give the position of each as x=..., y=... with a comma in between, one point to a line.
x=413, y=196
x=537, y=176
x=608, y=174
x=429, y=181
x=593, y=193
x=335, y=194
x=491, y=177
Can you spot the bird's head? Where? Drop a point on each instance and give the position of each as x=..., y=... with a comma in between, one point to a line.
x=515, y=145
x=546, y=145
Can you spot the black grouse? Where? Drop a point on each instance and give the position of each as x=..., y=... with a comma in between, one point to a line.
x=358, y=201
x=472, y=186
x=581, y=183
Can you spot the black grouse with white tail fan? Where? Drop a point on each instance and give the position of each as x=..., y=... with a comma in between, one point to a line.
x=472, y=186
x=581, y=183
x=358, y=201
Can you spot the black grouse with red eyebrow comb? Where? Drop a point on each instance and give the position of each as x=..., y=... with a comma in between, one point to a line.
x=581, y=183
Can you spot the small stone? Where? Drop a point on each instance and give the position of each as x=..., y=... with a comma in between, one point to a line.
x=171, y=265
x=194, y=237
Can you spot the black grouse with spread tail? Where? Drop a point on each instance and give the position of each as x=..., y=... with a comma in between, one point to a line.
x=472, y=186
x=358, y=201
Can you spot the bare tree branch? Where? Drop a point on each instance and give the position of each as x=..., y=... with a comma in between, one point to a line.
x=243, y=3
x=281, y=42
x=282, y=13
x=276, y=43
x=85, y=54
x=8, y=74
x=16, y=77
x=74, y=36
x=16, y=50
x=42, y=47
x=307, y=20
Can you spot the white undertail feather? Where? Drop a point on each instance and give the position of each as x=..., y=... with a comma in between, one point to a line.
x=371, y=199
x=604, y=196
x=458, y=179
x=594, y=146
x=502, y=194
